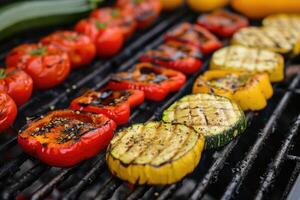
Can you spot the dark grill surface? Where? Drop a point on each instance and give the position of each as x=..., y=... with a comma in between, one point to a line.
x=262, y=163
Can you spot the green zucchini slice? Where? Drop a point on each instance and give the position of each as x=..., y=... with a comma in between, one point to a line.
x=218, y=118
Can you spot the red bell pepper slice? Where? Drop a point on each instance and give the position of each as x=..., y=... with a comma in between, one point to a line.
x=155, y=81
x=64, y=138
x=222, y=22
x=175, y=55
x=194, y=35
x=114, y=104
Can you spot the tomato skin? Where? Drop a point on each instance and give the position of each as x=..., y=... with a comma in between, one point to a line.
x=173, y=81
x=47, y=68
x=116, y=17
x=145, y=11
x=72, y=152
x=79, y=47
x=8, y=111
x=109, y=42
x=17, y=84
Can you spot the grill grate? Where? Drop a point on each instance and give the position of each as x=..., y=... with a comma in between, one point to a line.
x=91, y=179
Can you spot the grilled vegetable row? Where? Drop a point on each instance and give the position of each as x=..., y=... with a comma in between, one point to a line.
x=47, y=63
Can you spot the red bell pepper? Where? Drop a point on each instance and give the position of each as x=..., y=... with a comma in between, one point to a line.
x=194, y=35
x=64, y=138
x=114, y=104
x=175, y=55
x=156, y=82
x=222, y=22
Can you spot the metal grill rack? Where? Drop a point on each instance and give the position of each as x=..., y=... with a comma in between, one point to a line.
x=249, y=167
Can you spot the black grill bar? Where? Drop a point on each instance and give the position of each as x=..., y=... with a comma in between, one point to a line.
x=252, y=154
x=293, y=178
x=8, y=144
x=12, y=165
x=294, y=158
x=108, y=189
x=274, y=168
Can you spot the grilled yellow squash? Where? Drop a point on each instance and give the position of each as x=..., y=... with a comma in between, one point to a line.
x=239, y=58
x=278, y=39
x=217, y=117
x=283, y=21
x=250, y=91
x=154, y=153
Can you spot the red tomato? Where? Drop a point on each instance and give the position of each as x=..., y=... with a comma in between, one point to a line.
x=8, y=111
x=80, y=48
x=17, y=84
x=47, y=65
x=145, y=11
x=108, y=40
x=112, y=17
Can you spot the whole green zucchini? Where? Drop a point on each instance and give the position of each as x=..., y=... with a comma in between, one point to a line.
x=26, y=15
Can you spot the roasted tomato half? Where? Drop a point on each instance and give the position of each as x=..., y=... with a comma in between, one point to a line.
x=222, y=22
x=17, y=84
x=156, y=82
x=63, y=138
x=108, y=40
x=47, y=65
x=145, y=11
x=8, y=111
x=114, y=104
x=119, y=17
x=194, y=35
x=175, y=55
x=80, y=48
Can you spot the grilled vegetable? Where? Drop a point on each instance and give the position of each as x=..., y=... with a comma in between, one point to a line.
x=238, y=58
x=156, y=82
x=64, y=138
x=218, y=118
x=47, y=65
x=122, y=18
x=144, y=11
x=277, y=39
x=262, y=8
x=79, y=47
x=283, y=21
x=154, y=153
x=8, y=111
x=114, y=104
x=175, y=55
x=27, y=15
x=206, y=5
x=108, y=39
x=194, y=35
x=250, y=91
x=222, y=22
x=17, y=84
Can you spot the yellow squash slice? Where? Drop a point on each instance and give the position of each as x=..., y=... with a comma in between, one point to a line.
x=283, y=21
x=250, y=91
x=154, y=153
x=239, y=58
x=281, y=40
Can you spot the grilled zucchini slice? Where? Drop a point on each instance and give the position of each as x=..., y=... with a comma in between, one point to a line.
x=154, y=153
x=218, y=118
x=281, y=40
x=283, y=21
x=239, y=58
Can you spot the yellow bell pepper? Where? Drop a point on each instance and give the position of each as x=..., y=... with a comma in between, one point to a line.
x=239, y=58
x=206, y=5
x=262, y=8
x=250, y=91
x=154, y=153
x=280, y=40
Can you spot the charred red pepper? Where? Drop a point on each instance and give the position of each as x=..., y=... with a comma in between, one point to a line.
x=64, y=138
x=8, y=111
x=175, y=55
x=194, y=35
x=145, y=11
x=155, y=81
x=222, y=22
x=114, y=104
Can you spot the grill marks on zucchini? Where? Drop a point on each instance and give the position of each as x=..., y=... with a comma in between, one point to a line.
x=219, y=119
x=283, y=21
x=239, y=58
x=154, y=152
